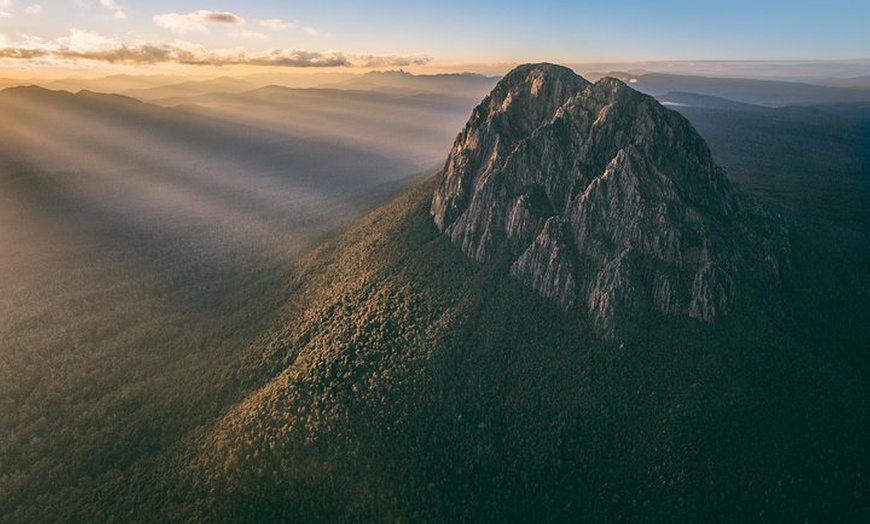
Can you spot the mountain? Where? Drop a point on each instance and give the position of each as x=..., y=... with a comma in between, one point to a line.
x=143, y=84
x=857, y=82
x=810, y=163
x=8, y=82
x=470, y=84
x=297, y=80
x=409, y=381
x=192, y=88
x=625, y=76
x=113, y=83
x=808, y=160
x=679, y=99
x=157, y=369
x=597, y=195
x=772, y=93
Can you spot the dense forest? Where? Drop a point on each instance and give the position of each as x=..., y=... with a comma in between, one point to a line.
x=414, y=385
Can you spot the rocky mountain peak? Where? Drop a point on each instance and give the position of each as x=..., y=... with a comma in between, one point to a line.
x=599, y=197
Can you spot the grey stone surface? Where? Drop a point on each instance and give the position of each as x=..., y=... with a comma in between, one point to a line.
x=602, y=198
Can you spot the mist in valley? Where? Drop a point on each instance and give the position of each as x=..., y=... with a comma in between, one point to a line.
x=146, y=244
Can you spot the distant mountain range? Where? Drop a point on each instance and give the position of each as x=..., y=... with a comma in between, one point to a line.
x=458, y=84
x=111, y=84
x=760, y=92
x=683, y=99
x=192, y=88
x=859, y=82
x=772, y=93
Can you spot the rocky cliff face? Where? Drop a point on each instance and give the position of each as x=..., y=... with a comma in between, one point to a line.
x=599, y=197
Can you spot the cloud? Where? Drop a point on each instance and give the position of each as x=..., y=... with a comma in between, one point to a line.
x=221, y=18
x=253, y=35
x=22, y=54
x=114, y=7
x=169, y=53
x=4, y=14
x=197, y=21
x=82, y=44
x=298, y=58
x=88, y=45
x=389, y=60
x=5, y=3
x=80, y=40
x=276, y=24
x=34, y=9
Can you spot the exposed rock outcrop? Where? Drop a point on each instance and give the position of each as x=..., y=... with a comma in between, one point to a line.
x=599, y=197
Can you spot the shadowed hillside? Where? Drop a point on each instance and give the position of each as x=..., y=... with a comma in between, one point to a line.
x=813, y=163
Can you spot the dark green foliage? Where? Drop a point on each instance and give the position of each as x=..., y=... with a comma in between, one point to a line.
x=421, y=387
x=812, y=161
x=814, y=164
x=403, y=382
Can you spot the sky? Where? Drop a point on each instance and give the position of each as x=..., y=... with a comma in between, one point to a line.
x=38, y=36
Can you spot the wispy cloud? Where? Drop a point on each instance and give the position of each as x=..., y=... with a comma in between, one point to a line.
x=252, y=35
x=80, y=40
x=33, y=9
x=197, y=21
x=115, y=8
x=29, y=41
x=4, y=14
x=276, y=24
x=5, y=3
